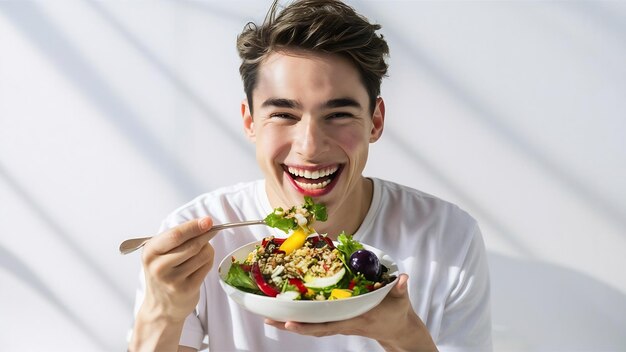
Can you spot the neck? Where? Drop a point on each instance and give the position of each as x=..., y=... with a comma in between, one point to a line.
x=349, y=215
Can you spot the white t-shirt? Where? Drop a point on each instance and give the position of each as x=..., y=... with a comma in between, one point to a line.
x=437, y=244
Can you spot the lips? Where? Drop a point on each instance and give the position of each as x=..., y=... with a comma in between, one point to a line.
x=313, y=181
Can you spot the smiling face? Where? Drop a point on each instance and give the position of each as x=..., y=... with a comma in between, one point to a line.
x=312, y=126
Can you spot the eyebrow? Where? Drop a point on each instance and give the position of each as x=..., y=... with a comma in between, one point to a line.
x=294, y=104
x=342, y=103
x=281, y=103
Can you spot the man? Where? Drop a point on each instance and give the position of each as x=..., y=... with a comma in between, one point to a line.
x=312, y=76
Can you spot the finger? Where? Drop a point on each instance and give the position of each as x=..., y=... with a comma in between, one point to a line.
x=186, y=251
x=165, y=263
x=277, y=324
x=400, y=289
x=204, y=256
x=312, y=329
x=322, y=329
x=353, y=326
x=178, y=235
x=198, y=276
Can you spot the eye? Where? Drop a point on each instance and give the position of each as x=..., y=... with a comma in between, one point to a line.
x=339, y=115
x=282, y=115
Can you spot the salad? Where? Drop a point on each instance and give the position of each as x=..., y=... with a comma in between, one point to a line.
x=307, y=265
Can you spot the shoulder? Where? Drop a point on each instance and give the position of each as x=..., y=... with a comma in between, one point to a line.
x=418, y=205
x=440, y=246
x=424, y=224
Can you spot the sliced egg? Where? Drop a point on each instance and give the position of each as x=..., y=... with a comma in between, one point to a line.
x=321, y=282
x=288, y=295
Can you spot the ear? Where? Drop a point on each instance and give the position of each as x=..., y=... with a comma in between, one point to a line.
x=248, y=121
x=378, y=120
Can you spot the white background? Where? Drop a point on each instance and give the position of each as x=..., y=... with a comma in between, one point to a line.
x=114, y=113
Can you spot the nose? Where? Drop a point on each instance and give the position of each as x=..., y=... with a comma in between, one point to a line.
x=311, y=138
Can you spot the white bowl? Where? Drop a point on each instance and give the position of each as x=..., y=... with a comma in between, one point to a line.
x=303, y=310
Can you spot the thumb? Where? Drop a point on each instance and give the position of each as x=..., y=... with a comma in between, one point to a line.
x=400, y=290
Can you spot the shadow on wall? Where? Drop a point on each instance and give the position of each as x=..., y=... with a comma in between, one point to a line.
x=539, y=306
x=22, y=272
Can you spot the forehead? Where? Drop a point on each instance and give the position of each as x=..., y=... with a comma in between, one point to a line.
x=308, y=77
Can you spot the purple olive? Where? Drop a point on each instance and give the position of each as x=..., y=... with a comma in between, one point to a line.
x=366, y=263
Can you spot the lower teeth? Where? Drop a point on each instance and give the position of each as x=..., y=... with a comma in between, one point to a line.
x=311, y=186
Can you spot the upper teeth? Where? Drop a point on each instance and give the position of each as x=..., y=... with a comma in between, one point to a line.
x=313, y=175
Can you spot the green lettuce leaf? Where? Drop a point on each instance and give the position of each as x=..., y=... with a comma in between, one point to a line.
x=318, y=210
x=279, y=222
x=241, y=279
x=347, y=245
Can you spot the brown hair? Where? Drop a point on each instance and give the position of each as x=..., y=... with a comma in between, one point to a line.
x=319, y=25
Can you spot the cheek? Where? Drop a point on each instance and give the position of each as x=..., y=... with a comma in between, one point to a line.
x=270, y=143
x=352, y=140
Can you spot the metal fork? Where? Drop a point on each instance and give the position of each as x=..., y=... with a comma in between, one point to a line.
x=133, y=244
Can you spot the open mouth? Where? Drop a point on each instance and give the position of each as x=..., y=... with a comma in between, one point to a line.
x=313, y=180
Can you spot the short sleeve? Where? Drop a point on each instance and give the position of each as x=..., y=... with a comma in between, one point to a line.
x=466, y=322
x=193, y=335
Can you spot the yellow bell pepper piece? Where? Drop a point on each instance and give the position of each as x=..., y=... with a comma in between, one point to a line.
x=294, y=241
x=339, y=293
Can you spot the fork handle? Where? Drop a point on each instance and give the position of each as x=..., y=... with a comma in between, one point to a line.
x=133, y=244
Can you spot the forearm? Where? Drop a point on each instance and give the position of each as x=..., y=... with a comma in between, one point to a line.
x=411, y=337
x=155, y=333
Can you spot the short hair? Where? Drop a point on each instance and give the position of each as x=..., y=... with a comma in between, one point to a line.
x=328, y=26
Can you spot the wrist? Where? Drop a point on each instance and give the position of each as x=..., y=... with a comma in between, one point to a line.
x=413, y=336
x=158, y=311
x=154, y=331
